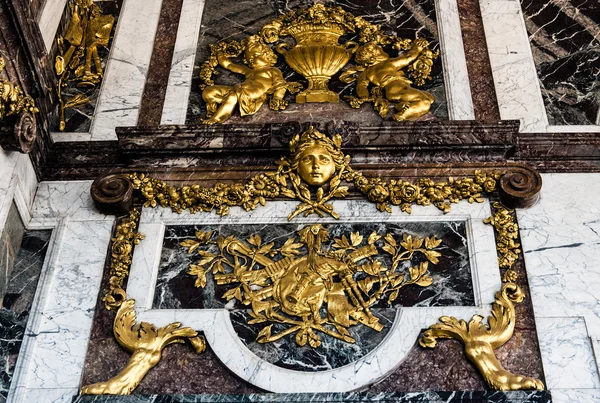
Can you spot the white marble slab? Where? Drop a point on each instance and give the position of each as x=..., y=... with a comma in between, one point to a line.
x=56, y=200
x=44, y=395
x=456, y=77
x=560, y=237
x=575, y=395
x=49, y=20
x=182, y=65
x=18, y=183
x=127, y=67
x=567, y=355
x=237, y=357
x=55, y=343
x=513, y=69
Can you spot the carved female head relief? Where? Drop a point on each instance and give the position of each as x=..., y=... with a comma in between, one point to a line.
x=316, y=157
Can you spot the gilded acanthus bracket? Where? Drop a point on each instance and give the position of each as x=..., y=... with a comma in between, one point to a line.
x=145, y=342
x=481, y=340
x=314, y=174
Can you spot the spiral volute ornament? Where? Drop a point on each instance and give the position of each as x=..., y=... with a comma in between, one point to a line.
x=25, y=132
x=113, y=194
x=19, y=132
x=520, y=187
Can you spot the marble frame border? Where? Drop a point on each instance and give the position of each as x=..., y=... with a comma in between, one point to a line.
x=227, y=346
x=51, y=358
x=513, y=70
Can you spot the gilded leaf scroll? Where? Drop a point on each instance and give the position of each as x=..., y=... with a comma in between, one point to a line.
x=480, y=340
x=145, y=342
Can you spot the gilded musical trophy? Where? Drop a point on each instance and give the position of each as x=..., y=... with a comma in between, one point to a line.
x=303, y=287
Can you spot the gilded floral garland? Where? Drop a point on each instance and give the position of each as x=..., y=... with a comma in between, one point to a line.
x=286, y=183
x=121, y=252
x=506, y=245
x=13, y=100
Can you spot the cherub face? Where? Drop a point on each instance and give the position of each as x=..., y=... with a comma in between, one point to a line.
x=316, y=165
x=370, y=53
x=260, y=56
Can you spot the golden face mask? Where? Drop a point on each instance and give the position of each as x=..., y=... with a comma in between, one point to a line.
x=316, y=165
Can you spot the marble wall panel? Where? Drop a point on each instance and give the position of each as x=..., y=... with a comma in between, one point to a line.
x=354, y=397
x=245, y=18
x=560, y=236
x=219, y=329
x=513, y=70
x=17, y=302
x=49, y=20
x=452, y=276
x=452, y=286
x=55, y=342
x=565, y=43
x=538, y=82
x=182, y=65
x=10, y=241
x=125, y=75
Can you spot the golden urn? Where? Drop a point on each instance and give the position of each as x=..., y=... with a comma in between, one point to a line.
x=317, y=54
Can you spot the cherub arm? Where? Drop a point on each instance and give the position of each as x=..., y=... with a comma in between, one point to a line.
x=402, y=61
x=278, y=84
x=226, y=63
x=279, y=87
x=362, y=85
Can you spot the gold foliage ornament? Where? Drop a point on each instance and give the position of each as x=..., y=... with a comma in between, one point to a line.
x=481, y=340
x=12, y=99
x=125, y=238
x=314, y=174
x=317, y=55
x=145, y=342
x=292, y=285
x=88, y=28
x=507, y=231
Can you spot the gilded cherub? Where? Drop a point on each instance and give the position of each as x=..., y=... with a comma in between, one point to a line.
x=262, y=79
x=390, y=82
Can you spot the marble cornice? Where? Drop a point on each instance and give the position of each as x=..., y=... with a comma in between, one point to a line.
x=258, y=145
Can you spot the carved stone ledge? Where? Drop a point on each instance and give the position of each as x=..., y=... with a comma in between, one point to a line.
x=520, y=187
x=113, y=194
x=18, y=133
